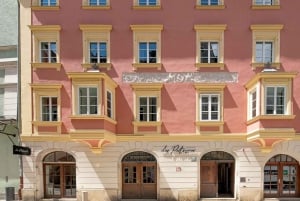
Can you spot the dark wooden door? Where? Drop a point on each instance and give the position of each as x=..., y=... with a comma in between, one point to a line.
x=139, y=180
x=208, y=174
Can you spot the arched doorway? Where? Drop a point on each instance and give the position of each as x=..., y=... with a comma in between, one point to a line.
x=59, y=171
x=281, y=174
x=139, y=176
x=217, y=175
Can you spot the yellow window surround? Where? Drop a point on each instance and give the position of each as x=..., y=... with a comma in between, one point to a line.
x=275, y=5
x=209, y=7
x=85, y=5
x=146, y=33
x=37, y=6
x=40, y=90
x=210, y=33
x=266, y=32
x=45, y=33
x=95, y=33
x=136, y=6
x=217, y=88
x=146, y=90
x=263, y=80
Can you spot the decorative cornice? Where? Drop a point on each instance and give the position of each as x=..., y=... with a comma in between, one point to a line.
x=45, y=27
x=95, y=27
x=210, y=27
x=266, y=27
x=181, y=77
x=146, y=27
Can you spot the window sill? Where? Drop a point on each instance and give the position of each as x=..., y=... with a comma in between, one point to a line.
x=271, y=117
x=140, y=127
x=209, y=127
x=265, y=7
x=47, y=123
x=207, y=7
x=55, y=124
x=158, y=7
x=209, y=123
x=35, y=66
x=45, y=7
x=88, y=66
x=210, y=65
x=87, y=7
x=262, y=65
x=147, y=65
x=93, y=117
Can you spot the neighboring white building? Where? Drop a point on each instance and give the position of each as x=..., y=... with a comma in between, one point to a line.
x=9, y=168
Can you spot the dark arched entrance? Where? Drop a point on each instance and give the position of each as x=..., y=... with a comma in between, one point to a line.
x=59, y=175
x=217, y=175
x=281, y=174
x=139, y=176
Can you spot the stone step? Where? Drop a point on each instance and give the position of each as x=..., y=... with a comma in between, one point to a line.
x=218, y=199
x=282, y=199
x=59, y=199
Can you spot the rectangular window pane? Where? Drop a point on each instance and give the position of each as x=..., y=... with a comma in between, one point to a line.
x=210, y=106
x=209, y=52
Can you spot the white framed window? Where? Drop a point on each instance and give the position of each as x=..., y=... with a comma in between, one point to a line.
x=210, y=2
x=48, y=3
x=147, y=52
x=209, y=107
x=264, y=52
x=147, y=108
x=98, y=52
x=97, y=2
x=49, y=108
x=88, y=100
x=253, y=98
x=147, y=2
x=48, y=52
x=264, y=2
x=109, y=104
x=275, y=100
x=209, y=52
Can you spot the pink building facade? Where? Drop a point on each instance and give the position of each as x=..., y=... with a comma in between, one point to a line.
x=160, y=100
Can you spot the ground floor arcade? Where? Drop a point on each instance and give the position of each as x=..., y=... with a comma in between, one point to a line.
x=161, y=171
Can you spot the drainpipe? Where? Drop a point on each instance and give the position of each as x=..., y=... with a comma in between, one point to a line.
x=19, y=105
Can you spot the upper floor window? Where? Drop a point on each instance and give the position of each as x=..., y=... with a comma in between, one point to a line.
x=98, y=52
x=45, y=4
x=97, y=2
x=209, y=52
x=209, y=2
x=265, y=4
x=48, y=52
x=46, y=46
x=109, y=104
x=48, y=2
x=270, y=96
x=148, y=108
x=210, y=107
x=147, y=2
x=275, y=100
x=49, y=108
x=88, y=100
x=147, y=52
x=264, y=51
x=96, y=46
x=210, y=45
x=147, y=46
x=266, y=45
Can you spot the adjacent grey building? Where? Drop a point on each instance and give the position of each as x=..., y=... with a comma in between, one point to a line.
x=9, y=166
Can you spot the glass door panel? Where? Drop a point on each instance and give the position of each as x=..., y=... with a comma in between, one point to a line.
x=70, y=181
x=289, y=175
x=271, y=179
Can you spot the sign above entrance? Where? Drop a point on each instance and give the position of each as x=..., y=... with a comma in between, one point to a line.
x=178, y=149
x=19, y=150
